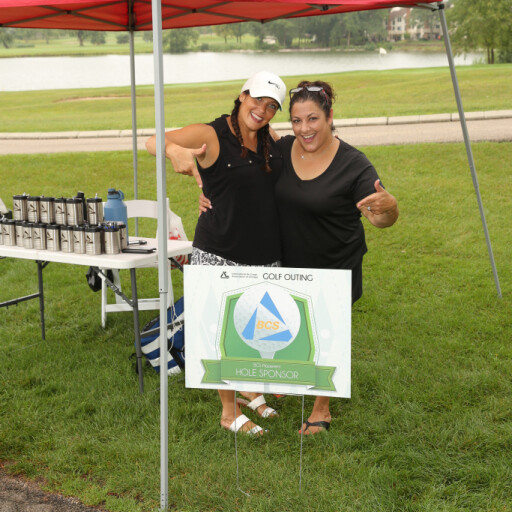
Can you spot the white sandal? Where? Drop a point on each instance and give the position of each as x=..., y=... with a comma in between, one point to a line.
x=240, y=422
x=258, y=402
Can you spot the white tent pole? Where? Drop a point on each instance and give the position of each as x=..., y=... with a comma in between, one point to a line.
x=467, y=142
x=162, y=246
x=134, y=121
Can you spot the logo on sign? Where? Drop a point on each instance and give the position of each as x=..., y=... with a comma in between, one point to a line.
x=267, y=319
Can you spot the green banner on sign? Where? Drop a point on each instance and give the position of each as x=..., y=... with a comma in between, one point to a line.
x=282, y=372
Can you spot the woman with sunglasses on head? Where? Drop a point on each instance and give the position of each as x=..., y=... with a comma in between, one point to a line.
x=237, y=162
x=323, y=189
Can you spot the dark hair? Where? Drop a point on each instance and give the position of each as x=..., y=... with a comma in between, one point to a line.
x=324, y=98
x=265, y=133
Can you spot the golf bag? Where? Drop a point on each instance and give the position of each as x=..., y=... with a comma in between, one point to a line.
x=150, y=340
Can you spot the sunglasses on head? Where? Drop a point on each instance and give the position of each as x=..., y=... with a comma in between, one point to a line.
x=310, y=88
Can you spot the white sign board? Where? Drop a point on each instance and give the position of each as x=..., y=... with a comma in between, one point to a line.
x=268, y=330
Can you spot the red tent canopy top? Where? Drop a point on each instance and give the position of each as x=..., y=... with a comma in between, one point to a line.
x=116, y=15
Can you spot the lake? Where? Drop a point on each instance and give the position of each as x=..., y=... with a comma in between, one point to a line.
x=35, y=73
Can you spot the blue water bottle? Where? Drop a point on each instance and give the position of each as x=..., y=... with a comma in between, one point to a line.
x=115, y=209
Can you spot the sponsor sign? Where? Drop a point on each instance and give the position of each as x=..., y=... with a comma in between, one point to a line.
x=278, y=330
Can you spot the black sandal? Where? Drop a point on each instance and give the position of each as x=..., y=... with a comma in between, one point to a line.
x=322, y=424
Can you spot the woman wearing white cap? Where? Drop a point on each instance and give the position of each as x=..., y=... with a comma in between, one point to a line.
x=324, y=187
x=235, y=156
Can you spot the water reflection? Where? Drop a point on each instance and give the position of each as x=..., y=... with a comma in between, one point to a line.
x=33, y=73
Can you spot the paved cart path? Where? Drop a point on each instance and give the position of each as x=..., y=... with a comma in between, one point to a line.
x=482, y=126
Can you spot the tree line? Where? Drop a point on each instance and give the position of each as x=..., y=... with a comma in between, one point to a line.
x=474, y=25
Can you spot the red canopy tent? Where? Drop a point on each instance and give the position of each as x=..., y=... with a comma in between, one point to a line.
x=137, y=15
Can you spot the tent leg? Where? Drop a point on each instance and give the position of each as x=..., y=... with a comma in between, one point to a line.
x=134, y=123
x=163, y=234
x=467, y=142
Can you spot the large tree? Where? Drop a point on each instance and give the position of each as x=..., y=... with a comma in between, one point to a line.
x=178, y=39
x=481, y=24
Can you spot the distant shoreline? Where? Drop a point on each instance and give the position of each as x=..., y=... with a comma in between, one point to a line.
x=89, y=51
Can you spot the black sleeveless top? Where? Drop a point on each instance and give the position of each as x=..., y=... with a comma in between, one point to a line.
x=243, y=225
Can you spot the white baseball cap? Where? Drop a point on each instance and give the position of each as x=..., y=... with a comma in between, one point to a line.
x=266, y=85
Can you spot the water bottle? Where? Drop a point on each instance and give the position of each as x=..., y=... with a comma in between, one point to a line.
x=115, y=209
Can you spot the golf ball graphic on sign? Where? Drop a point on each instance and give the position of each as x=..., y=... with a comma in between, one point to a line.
x=267, y=319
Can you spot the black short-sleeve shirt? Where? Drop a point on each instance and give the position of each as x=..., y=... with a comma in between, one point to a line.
x=320, y=224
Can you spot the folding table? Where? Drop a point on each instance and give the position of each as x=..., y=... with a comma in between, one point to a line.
x=130, y=261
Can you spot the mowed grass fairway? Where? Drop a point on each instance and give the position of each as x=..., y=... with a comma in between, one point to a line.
x=429, y=424
x=359, y=94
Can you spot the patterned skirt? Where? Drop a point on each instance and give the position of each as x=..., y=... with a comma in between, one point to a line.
x=200, y=257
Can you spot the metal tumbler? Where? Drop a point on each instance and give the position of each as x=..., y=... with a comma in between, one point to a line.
x=19, y=232
x=28, y=241
x=33, y=208
x=47, y=208
x=112, y=239
x=79, y=239
x=19, y=206
x=53, y=237
x=66, y=238
x=94, y=210
x=9, y=232
x=39, y=235
x=93, y=235
x=123, y=235
x=74, y=212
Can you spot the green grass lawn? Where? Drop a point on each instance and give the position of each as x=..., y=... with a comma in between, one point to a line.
x=429, y=424
x=360, y=94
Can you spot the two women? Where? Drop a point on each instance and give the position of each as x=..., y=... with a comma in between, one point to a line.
x=322, y=186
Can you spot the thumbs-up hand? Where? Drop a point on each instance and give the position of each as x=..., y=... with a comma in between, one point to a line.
x=377, y=203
